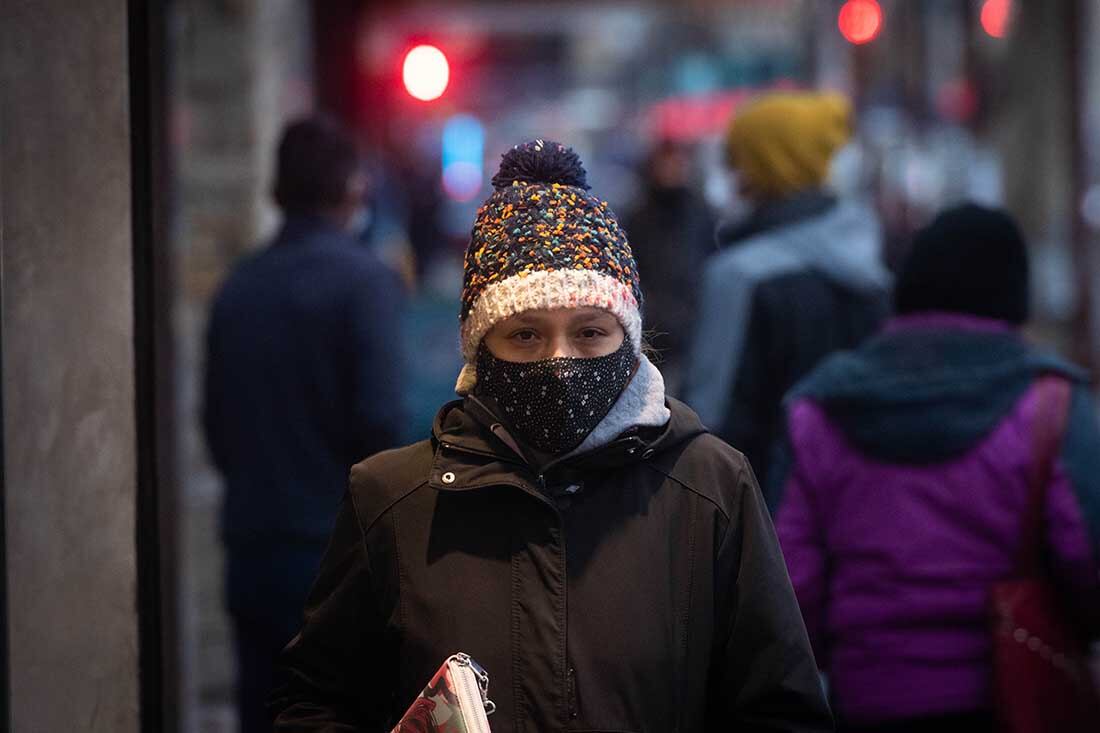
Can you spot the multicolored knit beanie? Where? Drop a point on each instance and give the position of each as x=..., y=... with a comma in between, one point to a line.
x=542, y=241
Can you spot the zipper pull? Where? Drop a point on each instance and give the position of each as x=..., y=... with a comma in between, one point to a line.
x=542, y=482
x=572, y=684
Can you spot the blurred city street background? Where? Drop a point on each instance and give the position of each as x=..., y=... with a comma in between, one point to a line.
x=995, y=101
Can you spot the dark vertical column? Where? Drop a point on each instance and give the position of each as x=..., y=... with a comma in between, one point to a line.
x=1035, y=122
x=1087, y=256
x=5, y=686
x=341, y=85
x=1076, y=25
x=156, y=536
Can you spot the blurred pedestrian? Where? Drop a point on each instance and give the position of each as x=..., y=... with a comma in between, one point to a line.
x=906, y=484
x=303, y=379
x=609, y=563
x=671, y=232
x=799, y=277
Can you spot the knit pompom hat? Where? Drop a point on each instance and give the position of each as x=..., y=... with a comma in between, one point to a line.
x=783, y=142
x=542, y=241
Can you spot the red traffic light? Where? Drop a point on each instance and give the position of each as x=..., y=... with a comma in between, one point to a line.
x=426, y=73
x=860, y=21
x=996, y=15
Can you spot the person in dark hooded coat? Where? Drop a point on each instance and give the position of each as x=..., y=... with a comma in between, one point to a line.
x=610, y=564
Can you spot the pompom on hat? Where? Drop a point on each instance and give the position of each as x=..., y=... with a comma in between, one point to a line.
x=542, y=241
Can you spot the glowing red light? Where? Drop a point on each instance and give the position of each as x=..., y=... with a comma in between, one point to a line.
x=426, y=73
x=860, y=20
x=996, y=15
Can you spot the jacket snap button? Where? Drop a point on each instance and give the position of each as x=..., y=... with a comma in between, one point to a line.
x=648, y=454
x=448, y=478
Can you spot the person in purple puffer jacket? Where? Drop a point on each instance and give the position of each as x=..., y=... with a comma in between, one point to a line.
x=900, y=487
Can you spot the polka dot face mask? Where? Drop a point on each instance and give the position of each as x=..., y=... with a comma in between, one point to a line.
x=553, y=404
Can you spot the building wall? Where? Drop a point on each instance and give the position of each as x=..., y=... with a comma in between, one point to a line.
x=68, y=366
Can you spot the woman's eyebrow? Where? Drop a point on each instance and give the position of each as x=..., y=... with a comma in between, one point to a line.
x=590, y=319
x=527, y=319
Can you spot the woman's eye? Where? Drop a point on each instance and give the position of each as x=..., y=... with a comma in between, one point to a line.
x=591, y=333
x=525, y=337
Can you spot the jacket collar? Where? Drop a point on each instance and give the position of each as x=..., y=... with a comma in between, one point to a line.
x=947, y=321
x=299, y=228
x=928, y=392
x=473, y=450
x=775, y=214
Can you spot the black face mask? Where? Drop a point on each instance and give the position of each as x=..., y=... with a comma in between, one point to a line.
x=553, y=404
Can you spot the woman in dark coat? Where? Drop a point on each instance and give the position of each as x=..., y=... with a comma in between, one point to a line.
x=610, y=564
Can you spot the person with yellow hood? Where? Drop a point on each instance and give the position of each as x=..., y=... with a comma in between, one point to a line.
x=797, y=278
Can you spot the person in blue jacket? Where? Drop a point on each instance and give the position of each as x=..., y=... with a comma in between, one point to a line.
x=302, y=381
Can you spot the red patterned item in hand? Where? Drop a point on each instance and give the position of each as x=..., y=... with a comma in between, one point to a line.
x=455, y=701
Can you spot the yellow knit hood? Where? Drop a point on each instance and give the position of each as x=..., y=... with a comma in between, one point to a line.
x=783, y=142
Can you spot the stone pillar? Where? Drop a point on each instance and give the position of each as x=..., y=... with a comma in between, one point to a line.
x=68, y=366
x=1033, y=123
x=1033, y=120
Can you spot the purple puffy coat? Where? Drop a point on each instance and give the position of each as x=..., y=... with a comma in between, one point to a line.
x=893, y=561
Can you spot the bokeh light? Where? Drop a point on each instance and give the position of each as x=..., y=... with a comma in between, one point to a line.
x=996, y=15
x=860, y=21
x=463, y=152
x=426, y=73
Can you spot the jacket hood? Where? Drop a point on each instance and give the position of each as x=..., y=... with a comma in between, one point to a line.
x=641, y=405
x=842, y=241
x=470, y=425
x=927, y=389
x=772, y=215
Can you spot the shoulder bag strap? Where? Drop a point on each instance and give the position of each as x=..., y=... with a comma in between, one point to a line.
x=1050, y=425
